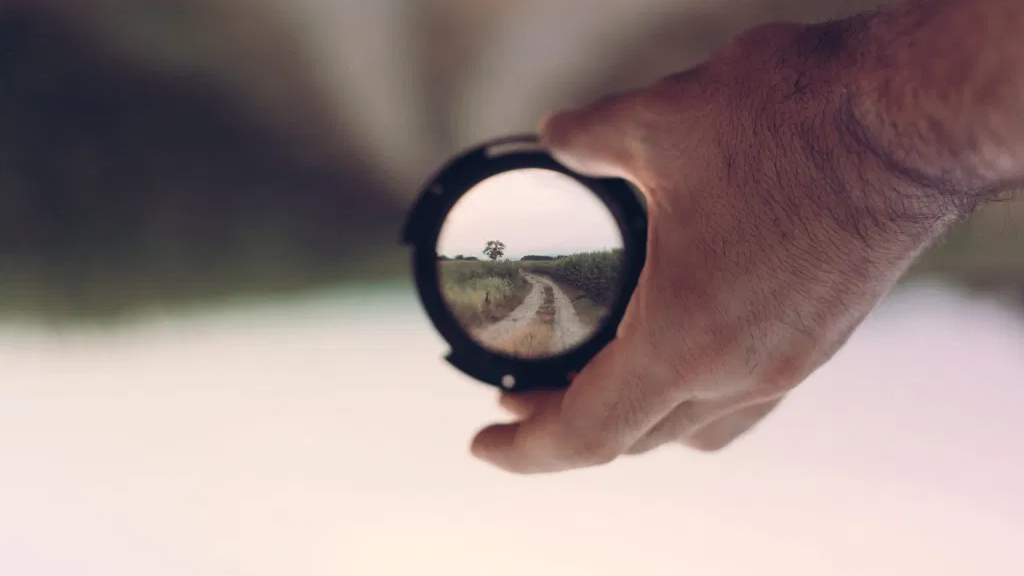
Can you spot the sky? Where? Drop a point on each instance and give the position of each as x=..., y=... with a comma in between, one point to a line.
x=532, y=211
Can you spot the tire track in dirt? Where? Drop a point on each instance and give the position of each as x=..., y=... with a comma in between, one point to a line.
x=545, y=324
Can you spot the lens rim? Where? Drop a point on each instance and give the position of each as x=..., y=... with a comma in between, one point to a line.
x=423, y=227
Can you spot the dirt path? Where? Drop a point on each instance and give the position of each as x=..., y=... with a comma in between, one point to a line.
x=544, y=324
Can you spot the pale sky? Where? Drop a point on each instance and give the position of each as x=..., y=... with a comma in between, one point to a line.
x=532, y=211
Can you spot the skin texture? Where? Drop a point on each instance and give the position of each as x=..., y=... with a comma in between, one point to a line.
x=791, y=180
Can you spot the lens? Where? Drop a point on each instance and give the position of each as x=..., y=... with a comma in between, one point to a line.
x=529, y=263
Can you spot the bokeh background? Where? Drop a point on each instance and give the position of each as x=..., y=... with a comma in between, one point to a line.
x=212, y=360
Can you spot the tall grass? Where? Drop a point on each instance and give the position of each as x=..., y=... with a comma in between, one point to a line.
x=478, y=292
x=596, y=274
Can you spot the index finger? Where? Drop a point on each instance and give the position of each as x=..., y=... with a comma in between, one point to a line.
x=601, y=139
x=612, y=403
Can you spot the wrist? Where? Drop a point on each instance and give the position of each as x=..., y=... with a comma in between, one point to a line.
x=934, y=102
x=864, y=184
x=891, y=180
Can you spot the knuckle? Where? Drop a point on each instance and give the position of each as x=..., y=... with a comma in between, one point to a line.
x=755, y=39
x=776, y=386
x=787, y=372
x=593, y=449
x=707, y=444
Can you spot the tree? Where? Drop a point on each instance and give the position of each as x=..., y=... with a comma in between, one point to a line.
x=495, y=249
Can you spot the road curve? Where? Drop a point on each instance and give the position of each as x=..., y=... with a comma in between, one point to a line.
x=544, y=324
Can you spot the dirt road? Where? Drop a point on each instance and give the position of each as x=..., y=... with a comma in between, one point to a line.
x=545, y=324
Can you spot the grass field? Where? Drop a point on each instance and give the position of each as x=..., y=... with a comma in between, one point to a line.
x=481, y=292
x=594, y=274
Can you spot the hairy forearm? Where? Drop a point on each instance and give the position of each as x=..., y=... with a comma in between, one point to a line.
x=940, y=91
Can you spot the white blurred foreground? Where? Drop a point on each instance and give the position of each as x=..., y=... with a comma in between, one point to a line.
x=330, y=438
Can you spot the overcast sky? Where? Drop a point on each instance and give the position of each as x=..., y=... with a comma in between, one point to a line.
x=533, y=212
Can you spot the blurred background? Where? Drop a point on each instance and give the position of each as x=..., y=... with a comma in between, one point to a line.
x=212, y=360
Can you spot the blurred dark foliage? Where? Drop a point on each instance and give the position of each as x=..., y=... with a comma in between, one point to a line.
x=123, y=187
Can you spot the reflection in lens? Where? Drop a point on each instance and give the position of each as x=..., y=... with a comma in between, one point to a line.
x=529, y=263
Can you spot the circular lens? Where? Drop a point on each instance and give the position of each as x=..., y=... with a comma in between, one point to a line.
x=529, y=263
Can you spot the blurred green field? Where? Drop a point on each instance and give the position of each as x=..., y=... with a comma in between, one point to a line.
x=595, y=274
x=480, y=292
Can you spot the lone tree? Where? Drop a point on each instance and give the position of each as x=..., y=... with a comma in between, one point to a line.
x=495, y=249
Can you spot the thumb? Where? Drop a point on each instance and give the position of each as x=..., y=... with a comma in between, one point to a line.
x=602, y=139
x=613, y=401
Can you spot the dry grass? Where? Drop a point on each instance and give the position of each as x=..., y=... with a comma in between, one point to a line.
x=479, y=293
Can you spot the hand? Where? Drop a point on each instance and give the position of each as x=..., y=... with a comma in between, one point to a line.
x=773, y=233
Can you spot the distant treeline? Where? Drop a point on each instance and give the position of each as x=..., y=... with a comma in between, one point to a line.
x=532, y=258
x=460, y=257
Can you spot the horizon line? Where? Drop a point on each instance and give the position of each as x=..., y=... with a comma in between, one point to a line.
x=536, y=253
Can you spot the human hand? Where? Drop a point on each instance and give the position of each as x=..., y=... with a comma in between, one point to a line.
x=774, y=230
